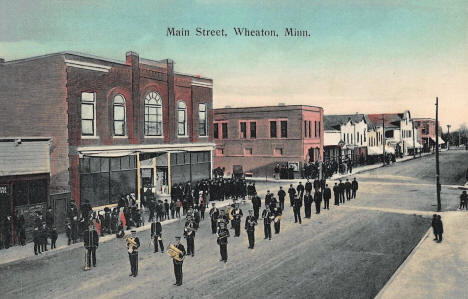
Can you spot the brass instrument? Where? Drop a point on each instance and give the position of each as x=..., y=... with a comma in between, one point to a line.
x=278, y=218
x=222, y=234
x=130, y=243
x=175, y=253
x=230, y=214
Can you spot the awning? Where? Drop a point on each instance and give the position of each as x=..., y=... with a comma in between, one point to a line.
x=417, y=145
x=21, y=156
x=375, y=151
x=131, y=149
x=441, y=141
x=108, y=154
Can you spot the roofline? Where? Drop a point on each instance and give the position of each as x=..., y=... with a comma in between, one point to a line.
x=269, y=106
x=25, y=138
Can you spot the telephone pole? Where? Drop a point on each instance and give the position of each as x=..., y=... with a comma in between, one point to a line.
x=439, y=205
x=414, y=143
x=383, y=138
x=449, y=139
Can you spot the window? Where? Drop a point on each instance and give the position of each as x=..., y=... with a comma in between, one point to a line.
x=181, y=118
x=319, y=129
x=409, y=133
x=284, y=129
x=305, y=128
x=273, y=133
x=243, y=130
x=87, y=113
x=216, y=131
x=119, y=115
x=364, y=136
x=315, y=128
x=248, y=151
x=253, y=130
x=202, y=130
x=357, y=137
x=225, y=130
x=219, y=152
x=153, y=114
x=310, y=129
x=278, y=151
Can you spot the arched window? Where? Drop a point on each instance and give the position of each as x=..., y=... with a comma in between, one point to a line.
x=119, y=115
x=153, y=114
x=181, y=118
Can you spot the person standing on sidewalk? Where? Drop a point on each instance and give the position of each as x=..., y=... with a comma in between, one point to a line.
x=354, y=187
x=336, y=194
x=438, y=228
x=463, y=201
x=326, y=197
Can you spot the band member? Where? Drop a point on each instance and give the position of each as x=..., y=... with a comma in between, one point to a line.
x=223, y=218
x=268, y=197
x=292, y=193
x=267, y=218
x=237, y=217
x=133, y=243
x=277, y=220
x=354, y=188
x=348, y=189
x=281, y=196
x=250, y=222
x=223, y=234
x=189, y=234
x=341, y=188
x=326, y=197
x=308, y=199
x=297, y=204
x=91, y=242
x=156, y=235
x=178, y=263
x=317, y=200
x=300, y=190
x=37, y=241
x=256, y=204
x=308, y=186
x=214, y=214
x=336, y=194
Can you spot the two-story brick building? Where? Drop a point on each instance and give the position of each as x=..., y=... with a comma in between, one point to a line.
x=260, y=137
x=114, y=126
x=426, y=128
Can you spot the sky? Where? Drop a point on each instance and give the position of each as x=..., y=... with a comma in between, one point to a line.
x=366, y=56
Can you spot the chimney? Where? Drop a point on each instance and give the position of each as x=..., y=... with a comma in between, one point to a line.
x=131, y=57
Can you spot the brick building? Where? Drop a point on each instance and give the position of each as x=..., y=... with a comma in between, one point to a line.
x=260, y=137
x=426, y=133
x=114, y=126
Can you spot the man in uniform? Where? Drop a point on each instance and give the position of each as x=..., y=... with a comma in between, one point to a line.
x=308, y=186
x=341, y=187
x=317, y=200
x=348, y=189
x=281, y=196
x=91, y=242
x=189, y=234
x=267, y=218
x=308, y=199
x=223, y=234
x=336, y=194
x=250, y=222
x=297, y=204
x=237, y=217
x=178, y=264
x=354, y=187
x=277, y=220
x=214, y=213
x=133, y=243
x=326, y=197
x=292, y=193
x=222, y=218
x=300, y=190
x=156, y=235
x=256, y=204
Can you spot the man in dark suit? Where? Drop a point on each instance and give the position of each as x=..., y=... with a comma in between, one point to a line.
x=308, y=199
x=300, y=190
x=156, y=235
x=297, y=204
x=178, y=264
x=326, y=197
x=237, y=217
x=256, y=204
x=341, y=187
x=308, y=186
x=354, y=187
x=133, y=243
x=189, y=234
x=292, y=193
x=214, y=213
x=336, y=194
x=348, y=189
x=267, y=218
x=223, y=234
x=281, y=196
x=91, y=242
x=317, y=200
x=250, y=222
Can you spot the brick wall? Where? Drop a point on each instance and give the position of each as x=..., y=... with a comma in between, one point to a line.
x=32, y=97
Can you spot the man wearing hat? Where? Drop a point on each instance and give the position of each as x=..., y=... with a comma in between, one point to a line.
x=237, y=216
x=178, y=264
x=214, y=213
x=91, y=242
x=133, y=243
x=156, y=235
x=223, y=234
x=189, y=234
x=250, y=222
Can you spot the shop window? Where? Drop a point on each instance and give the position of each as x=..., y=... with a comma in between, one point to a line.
x=153, y=114
x=95, y=165
x=225, y=130
x=273, y=130
x=119, y=115
x=88, y=112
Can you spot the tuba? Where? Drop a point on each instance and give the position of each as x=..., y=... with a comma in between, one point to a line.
x=230, y=214
x=130, y=243
x=175, y=253
x=278, y=218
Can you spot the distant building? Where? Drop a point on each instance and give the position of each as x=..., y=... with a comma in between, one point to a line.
x=114, y=126
x=258, y=138
x=426, y=133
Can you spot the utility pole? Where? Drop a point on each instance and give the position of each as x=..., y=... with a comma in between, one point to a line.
x=383, y=138
x=439, y=205
x=449, y=139
x=414, y=143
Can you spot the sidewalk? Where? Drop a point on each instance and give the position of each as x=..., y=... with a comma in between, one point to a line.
x=435, y=270
x=338, y=176
x=26, y=252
